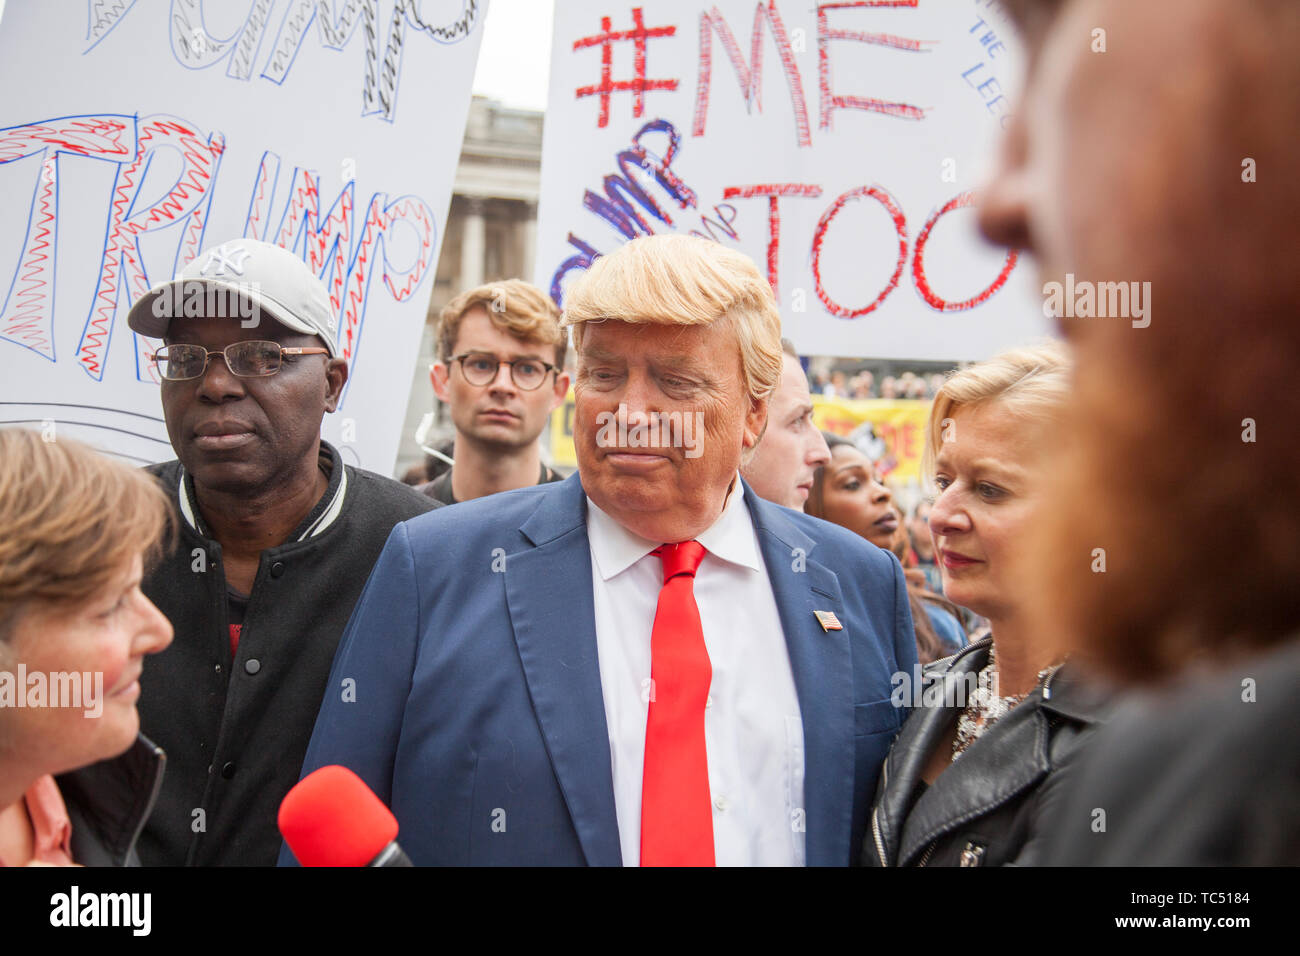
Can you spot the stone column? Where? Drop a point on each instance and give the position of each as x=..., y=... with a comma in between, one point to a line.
x=529, y=264
x=472, y=246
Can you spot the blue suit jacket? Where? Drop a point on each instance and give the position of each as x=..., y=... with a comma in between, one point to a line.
x=466, y=689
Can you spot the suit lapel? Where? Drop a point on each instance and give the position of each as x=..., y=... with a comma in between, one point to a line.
x=823, y=677
x=548, y=593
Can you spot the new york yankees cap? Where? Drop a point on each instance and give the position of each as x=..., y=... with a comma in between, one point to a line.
x=241, y=278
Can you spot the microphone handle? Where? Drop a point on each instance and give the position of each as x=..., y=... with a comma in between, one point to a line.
x=391, y=855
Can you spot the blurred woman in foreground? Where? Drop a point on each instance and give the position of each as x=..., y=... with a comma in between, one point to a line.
x=75, y=532
x=976, y=762
x=1182, y=475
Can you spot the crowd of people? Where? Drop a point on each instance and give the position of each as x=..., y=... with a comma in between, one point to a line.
x=720, y=641
x=862, y=384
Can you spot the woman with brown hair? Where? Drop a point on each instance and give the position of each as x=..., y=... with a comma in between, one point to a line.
x=77, y=780
x=992, y=728
x=847, y=492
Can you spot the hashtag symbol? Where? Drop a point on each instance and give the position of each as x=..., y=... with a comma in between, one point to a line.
x=638, y=84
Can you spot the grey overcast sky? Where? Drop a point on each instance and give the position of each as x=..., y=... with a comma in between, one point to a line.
x=515, y=59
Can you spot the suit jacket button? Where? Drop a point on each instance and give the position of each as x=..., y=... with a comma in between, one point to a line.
x=228, y=770
x=252, y=665
x=277, y=569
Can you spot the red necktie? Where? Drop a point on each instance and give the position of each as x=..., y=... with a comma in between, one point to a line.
x=676, y=807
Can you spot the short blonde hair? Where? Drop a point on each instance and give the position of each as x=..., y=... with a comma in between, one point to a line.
x=1032, y=382
x=514, y=306
x=71, y=519
x=685, y=280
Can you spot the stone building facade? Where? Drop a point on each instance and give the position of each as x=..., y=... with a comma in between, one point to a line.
x=490, y=234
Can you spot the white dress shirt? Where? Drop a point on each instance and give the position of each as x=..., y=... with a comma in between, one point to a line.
x=753, y=733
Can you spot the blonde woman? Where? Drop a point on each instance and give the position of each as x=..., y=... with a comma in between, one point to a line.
x=978, y=758
x=76, y=779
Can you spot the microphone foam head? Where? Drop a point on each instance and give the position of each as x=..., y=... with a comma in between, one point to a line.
x=331, y=818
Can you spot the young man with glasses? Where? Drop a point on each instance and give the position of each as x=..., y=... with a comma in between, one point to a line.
x=276, y=538
x=500, y=370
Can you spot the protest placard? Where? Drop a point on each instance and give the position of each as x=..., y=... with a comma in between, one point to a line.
x=137, y=134
x=838, y=144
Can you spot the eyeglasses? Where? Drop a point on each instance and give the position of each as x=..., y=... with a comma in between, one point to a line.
x=178, y=363
x=480, y=368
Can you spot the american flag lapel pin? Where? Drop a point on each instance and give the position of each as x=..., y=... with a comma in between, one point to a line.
x=828, y=621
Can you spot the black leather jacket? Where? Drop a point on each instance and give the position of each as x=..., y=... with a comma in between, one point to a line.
x=108, y=803
x=1204, y=772
x=984, y=810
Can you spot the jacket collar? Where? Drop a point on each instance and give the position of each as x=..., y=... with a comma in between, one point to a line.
x=1011, y=758
x=1070, y=695
x=439, y=489
x=108, y=803
x=325, y=512
x=730, y=538
x=555, y=629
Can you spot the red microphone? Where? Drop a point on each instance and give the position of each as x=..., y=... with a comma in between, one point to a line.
x=331, y=818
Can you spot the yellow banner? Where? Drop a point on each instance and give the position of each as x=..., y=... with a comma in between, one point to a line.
x=561, y=440
x=899, y=424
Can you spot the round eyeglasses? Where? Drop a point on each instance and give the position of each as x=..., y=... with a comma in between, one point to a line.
x=178, y=363
x=480, y=368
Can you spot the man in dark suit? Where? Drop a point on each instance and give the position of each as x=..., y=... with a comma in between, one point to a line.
x=645, y=663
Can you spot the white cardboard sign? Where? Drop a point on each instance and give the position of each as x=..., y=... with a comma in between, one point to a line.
x=837, y=144
x=138, y=132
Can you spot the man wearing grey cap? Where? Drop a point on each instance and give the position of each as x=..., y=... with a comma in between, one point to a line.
x=277, y=537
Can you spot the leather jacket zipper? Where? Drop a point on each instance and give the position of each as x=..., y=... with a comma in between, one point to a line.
x=884, y=770
x=973, y=854
x=875, y=816
x=1047, y=684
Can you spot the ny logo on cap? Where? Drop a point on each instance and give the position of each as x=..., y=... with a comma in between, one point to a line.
x=226, y=255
